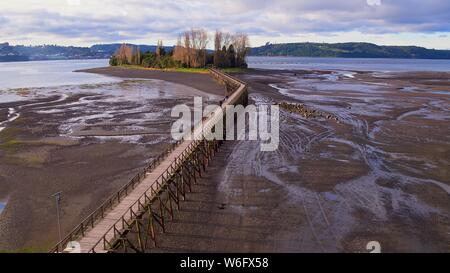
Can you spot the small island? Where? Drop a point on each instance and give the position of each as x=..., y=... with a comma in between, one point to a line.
x=190, y=53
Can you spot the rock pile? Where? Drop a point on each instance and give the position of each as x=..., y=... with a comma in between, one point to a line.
x=306, y=112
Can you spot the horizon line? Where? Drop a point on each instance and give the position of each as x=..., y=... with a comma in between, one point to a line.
x=274, y=43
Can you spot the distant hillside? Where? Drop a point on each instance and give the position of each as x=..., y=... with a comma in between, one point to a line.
x=348, y=50
x=110, y=49
x=10, y=53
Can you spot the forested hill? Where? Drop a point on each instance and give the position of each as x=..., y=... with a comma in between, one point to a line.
x=348, y=50
x=9, y=53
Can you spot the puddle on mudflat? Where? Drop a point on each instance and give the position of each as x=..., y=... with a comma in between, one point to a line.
x=12, y=115
x=441, y=92
x=2, y=206
x=10, y=97
x=331, y=196
x=411, y=89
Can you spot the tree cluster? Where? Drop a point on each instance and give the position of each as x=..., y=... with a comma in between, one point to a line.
x=191, y=50
x=160, y=58
x=126, y=54
x=230, y=50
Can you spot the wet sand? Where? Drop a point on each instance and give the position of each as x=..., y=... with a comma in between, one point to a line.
x=84, y=140
x=381, y=174
x=202, y=82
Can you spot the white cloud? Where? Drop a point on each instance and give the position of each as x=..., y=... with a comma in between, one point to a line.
x=74, y=2
x=85, y=22
x=374, y=2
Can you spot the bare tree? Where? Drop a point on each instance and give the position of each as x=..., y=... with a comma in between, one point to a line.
x=195, y=43
x=124, y=54
x=218, y=38
x=227, y=39
x=138, y=56
x=187, y=47
x=241, y=44
x=179, y=52
x=129, y=54
x=194, y=56
x=202, y=44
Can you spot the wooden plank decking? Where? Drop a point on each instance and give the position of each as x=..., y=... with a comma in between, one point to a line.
x=101, y=228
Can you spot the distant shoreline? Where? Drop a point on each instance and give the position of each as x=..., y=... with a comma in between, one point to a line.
x=54, y=60
x=349, y=50
x=347, y=58
x=265, y=56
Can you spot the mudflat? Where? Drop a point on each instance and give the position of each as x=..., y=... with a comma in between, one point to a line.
x=84, y=140
x=199, y=81
x=379, y=174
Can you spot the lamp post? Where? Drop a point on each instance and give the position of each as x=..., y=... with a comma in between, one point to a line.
x=58, y=202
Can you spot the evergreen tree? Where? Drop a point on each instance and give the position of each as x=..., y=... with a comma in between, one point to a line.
x=231, y=54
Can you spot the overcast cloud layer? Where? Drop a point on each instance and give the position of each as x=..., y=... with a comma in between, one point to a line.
x=85, y=22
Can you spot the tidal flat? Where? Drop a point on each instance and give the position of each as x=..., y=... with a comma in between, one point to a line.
x=379, y=174
x=84, y=140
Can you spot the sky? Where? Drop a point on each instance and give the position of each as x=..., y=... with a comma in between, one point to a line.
x=87, y=22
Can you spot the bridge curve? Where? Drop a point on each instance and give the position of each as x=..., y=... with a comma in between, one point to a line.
x=170, y=175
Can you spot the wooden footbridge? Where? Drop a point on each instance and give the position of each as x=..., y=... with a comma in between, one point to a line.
x=131, y=219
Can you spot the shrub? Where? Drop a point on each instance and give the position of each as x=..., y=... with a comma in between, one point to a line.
x=113, y=61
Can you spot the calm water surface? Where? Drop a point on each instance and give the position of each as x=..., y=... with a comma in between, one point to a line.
x=49, y=73
x=2, y=206
x=380, y=65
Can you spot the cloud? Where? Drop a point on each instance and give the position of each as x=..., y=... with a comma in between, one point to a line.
x=116, y=20
x=3, y=20
x=373, y=2
x=74, y=2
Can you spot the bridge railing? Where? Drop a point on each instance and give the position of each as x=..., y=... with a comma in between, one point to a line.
x=146, y=198
x=227, y=78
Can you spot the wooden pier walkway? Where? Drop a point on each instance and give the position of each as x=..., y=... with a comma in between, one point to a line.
x=103, y=228
x=99, y=232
